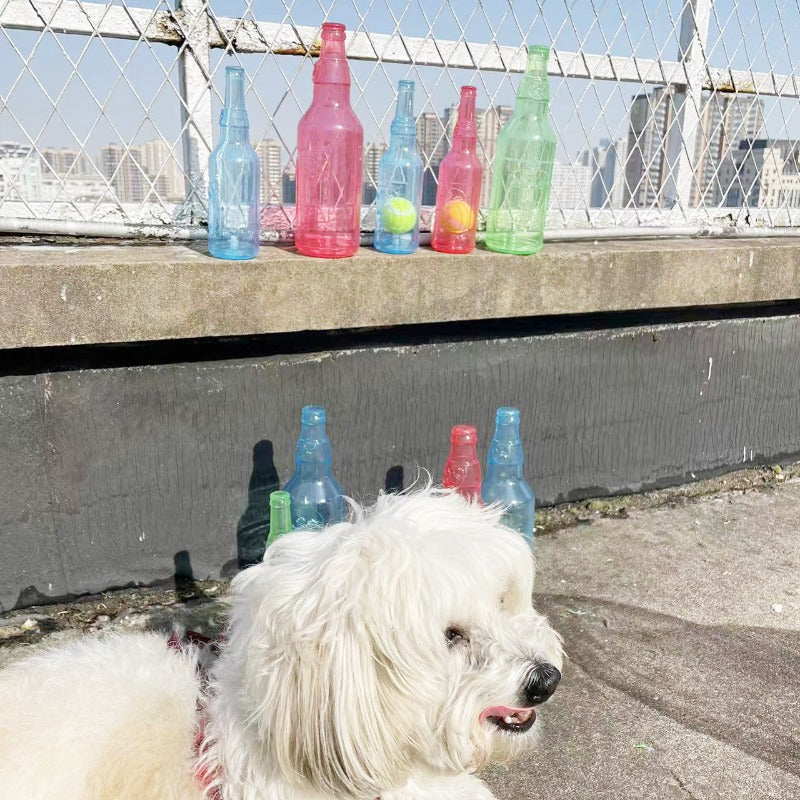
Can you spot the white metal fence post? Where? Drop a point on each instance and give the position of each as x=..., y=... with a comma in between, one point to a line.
x=682, y=136
x=194, y=70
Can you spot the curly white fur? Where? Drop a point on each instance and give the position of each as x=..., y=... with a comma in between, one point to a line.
x=336, y=679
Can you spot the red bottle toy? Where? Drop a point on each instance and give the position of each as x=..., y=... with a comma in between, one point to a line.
x=330, y=143
x=463, y=470
x=459, y=192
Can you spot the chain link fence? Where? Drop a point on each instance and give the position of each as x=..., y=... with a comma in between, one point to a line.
x=672, y=117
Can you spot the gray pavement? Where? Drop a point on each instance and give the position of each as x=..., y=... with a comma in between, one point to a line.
x=682, y=627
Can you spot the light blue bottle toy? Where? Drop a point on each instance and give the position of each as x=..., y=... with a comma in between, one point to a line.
x=400, y=181
x=233, y=179
x=504, y=482
x=317, y=498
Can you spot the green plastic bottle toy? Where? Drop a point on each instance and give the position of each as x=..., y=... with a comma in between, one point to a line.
x=523, y=166
x=280, y=515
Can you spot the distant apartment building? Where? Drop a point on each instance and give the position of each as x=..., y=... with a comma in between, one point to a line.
x=75, y=189
x=269, y=156
x=163, y=169
x=433, y=146
x=606, y=163
x=65, y=161
x=59, y=174
x=20, y=172
x=430, y=137
x=289, y=186
x=372, y=159
x=761, y=173
x=650, y=118
x=725, y=119
x=571, y=186
x=125, y=172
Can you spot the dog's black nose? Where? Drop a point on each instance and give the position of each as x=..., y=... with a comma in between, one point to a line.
x=541, y=684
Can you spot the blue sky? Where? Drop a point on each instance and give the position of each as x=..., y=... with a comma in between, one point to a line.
x=741, y=34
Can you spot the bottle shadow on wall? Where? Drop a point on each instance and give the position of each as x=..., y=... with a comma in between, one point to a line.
x=253, y=527
x=395, y=480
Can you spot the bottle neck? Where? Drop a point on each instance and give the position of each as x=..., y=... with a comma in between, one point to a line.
x=463, y=452
x=234, y=124
x=532, y=107
x=403, y=141
x=464, y=144
x=313, y=455
x=506, y=458
x=331, y=70
x=404, y=128
x=534, y=89
x=234, y=134
x=280, y=520
x=331, y=94
x=465, y=124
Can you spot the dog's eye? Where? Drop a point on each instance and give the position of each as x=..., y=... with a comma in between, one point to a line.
x=455, y=635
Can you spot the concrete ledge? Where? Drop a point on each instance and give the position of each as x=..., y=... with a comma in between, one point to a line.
x=117, y=293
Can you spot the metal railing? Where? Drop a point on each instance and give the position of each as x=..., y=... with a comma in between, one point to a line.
x=681, y=122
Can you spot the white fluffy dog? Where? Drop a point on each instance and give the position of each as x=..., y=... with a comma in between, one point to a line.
x=388, y=657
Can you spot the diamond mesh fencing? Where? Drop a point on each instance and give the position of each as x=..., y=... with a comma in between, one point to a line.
x=672, y=117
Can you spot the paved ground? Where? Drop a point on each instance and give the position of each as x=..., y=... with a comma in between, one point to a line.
x=682, y=626
x=683, y=630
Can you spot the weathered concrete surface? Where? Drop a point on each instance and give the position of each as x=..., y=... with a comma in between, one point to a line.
x=683, y=631
x=118, y=293
x=682, y=626
x=116, y=476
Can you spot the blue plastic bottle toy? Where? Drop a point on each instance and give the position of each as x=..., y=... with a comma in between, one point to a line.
x=400, y=181
x=317, y=498
x=504, y=482
x=233, y=179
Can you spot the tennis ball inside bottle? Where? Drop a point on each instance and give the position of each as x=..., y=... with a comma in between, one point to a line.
x=457, y=217
x=398, y=215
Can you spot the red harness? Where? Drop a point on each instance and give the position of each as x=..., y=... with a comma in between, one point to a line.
x=204, y=774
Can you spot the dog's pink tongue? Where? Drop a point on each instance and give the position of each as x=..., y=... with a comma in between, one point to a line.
x=505, y=711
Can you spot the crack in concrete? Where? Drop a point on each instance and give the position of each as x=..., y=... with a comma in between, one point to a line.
x=683, y=786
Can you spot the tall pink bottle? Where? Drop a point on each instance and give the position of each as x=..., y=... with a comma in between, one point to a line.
x=330, y=146
x=458, y=195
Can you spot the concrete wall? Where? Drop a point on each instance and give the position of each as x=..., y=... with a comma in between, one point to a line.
x=112, y=475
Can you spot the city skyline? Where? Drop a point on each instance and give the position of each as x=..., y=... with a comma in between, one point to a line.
x=626, y=172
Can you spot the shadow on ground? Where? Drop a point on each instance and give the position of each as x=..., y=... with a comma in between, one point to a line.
x=736, y=684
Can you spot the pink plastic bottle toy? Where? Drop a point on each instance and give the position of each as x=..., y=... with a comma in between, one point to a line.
x=330, y=144
x=463, y=470
x=459, y=191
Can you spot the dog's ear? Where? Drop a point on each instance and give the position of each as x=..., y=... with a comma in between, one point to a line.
x=317, y=691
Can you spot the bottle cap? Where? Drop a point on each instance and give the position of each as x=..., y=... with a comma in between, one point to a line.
x=541, y=51
x=312, y=415
x=463, y=434
x=279, y=499
x=506, y=415
x=333, y=31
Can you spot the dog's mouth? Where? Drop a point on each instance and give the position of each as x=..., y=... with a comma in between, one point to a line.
x=513, y=720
